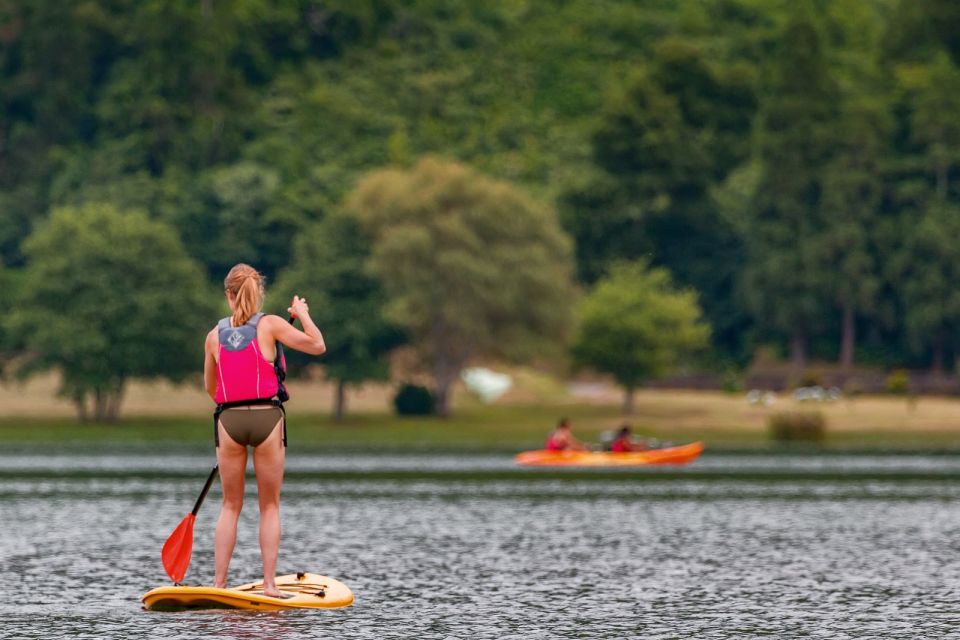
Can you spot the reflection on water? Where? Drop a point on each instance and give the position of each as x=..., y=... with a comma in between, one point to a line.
x=725, y=549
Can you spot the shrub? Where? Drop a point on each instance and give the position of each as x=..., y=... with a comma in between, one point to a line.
x=414, y=400
x=798, y=426
x=731, y=382
x=898, y=382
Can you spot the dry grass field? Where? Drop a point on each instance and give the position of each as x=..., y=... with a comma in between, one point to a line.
x=37, y=399
x=524, y=414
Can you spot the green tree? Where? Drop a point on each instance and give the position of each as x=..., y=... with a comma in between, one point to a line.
x=472, y=267
x=635, y=325
x=668, y=136
x=853, y=192
x=929, y=267
x=330, y=268
x=784, y=279
x=917, y=28
x=8, y=297
x=107, y=296
x=925, y=189
x=934, y=122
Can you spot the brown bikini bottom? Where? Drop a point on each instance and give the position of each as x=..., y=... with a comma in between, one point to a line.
x=250, y=426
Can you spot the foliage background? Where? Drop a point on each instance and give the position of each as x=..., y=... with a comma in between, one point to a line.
x=793, y=163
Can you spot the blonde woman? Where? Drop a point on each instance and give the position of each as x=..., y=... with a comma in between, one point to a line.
x=242, y=372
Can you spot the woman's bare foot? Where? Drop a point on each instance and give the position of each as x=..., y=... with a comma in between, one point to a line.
x=270, y=589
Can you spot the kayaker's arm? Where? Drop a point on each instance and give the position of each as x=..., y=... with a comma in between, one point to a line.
x=575, y=445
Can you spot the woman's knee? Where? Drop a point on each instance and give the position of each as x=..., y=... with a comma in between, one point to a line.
x=269, y=510
x=233, y=502
x=269, y=500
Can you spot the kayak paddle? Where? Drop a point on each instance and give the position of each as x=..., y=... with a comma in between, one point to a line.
x=179, y=546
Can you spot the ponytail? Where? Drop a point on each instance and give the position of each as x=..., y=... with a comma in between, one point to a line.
x=246, y=285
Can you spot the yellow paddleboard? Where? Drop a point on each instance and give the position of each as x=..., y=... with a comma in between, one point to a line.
x=306, y=591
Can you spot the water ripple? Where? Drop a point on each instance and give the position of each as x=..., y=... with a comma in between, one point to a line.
x=502, y=557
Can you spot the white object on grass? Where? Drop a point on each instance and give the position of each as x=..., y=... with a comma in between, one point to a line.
x=487, y=384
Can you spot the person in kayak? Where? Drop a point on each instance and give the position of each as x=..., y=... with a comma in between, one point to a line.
x=624, y=442
x=561, y=439
x=242, y=371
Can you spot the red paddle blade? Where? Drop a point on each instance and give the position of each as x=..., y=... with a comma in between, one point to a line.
x=178, y=549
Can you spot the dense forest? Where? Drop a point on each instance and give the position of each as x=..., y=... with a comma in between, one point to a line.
x=795, y=163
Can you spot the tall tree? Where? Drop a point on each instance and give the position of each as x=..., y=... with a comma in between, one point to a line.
x=667, y=138
x=934, y=120
x=929, y=270
x=929, y=198
x=107, y=296
x=784, y=281
x=472, y=267
x=851, y=204
x=636, y=325
x=330, y=267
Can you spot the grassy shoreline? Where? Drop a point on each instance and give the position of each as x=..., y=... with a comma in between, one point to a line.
x=722, y=424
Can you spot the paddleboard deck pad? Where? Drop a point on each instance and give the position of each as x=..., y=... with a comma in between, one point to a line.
x=302, y=591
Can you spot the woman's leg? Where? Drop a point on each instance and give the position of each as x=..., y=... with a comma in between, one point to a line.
x=232, y=458
x=268, y=463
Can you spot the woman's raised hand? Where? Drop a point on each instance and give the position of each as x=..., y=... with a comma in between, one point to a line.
x=298, y=308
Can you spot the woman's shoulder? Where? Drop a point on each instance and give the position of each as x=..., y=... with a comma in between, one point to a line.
x=269, y=323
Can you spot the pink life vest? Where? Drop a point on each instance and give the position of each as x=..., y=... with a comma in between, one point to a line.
x=242, y=372
x=554, y=445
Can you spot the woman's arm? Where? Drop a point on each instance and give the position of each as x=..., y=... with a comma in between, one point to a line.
x=577, y=445
x=210, y=363
x=310, y=340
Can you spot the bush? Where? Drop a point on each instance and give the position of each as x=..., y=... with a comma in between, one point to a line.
x=798, y=426
x=731, y=381
x=898, y=382
x=414, y=400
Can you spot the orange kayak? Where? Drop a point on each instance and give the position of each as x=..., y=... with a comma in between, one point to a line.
x=669, y=455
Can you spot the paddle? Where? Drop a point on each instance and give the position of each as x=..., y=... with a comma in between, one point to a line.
x=179, y=546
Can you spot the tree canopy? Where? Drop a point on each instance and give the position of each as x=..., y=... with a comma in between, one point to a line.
x=785, y=160
x=471, y=266
x=636, y=325
x=330, y=268
x=108, y=295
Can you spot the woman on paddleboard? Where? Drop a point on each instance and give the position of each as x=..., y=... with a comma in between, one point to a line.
x=242, y=371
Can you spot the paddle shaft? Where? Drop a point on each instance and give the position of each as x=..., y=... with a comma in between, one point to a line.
x=206, y=490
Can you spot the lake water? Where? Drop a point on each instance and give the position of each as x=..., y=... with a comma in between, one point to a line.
x=465, y=547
